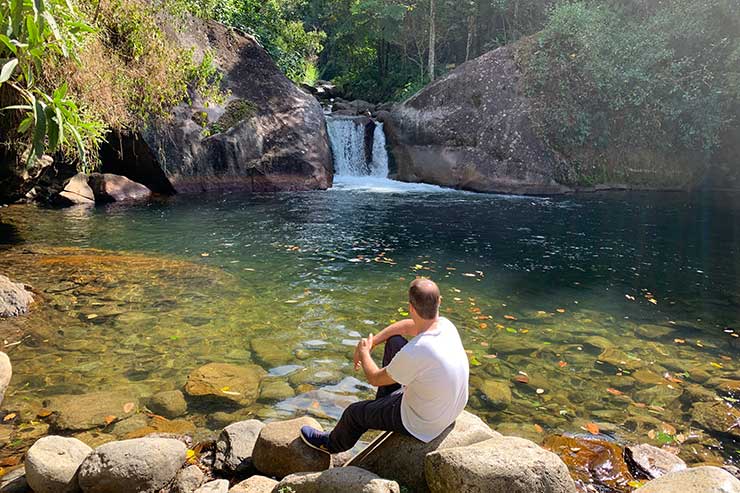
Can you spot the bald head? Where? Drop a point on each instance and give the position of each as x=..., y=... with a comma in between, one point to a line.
x=424, y=297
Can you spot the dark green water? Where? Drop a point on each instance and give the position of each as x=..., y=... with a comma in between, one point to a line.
x=560, y=289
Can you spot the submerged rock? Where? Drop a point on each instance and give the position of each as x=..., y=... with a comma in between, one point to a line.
x=705, y=479
x=235, y=445
x=87, y=411
x=279, y=450
x=620, y=359
x=143, y=465
x=14, y=298
x=652, y=461
x=717, y=417
x=52, y=463
x=108, y=187
x=502, y=464
x=337, y=480
x=170, y=404
x=400, y=456
x=238, y=384
x=497, y=394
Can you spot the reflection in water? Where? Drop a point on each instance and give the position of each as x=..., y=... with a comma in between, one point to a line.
x=616, y=309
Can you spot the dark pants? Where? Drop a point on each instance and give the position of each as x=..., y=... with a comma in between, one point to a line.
x=383, y=413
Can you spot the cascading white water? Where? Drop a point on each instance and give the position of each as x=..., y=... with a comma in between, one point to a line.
x=353, y=154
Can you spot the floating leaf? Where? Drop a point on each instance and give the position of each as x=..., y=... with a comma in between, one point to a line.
x=474, y=361
x=614, y=391
x=44, y=413
x=562, y=364
x=511, y=330
x=509, y=317
x=109, y=419
x=538, y=428
x=679, y=341
x=716, y=365
x=9, y=417
x=483, y=325
x=128, y=407
x=315, y=405
x=560, y=310
x=524, y=379
x=593, y=428
x=664, y=438
x=540, y=391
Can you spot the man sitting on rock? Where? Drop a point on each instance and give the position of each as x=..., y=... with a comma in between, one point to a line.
x=422, y=387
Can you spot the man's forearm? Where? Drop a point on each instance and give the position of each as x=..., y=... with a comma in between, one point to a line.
x=400, y=328
x=369, y=367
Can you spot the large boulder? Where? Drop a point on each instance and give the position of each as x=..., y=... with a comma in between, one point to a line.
x=499, y=465
x=471, y=129
x=235, y=445
x=14, y=298
x=400, y=456
x=267, y=135
x=108, y=187
x=255, y=484
x=77, y=191
x=170, y=404
x=84, y=412
x=52, y=463
x=279, y=450
x=337, y=480
x=142, y=465
x=188, y=480
x=705, y=479
x=6, y=373
x=653, y=462
x=222, y=381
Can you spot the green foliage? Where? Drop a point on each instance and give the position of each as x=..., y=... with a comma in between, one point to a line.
x=632, y=74
x=236, y=111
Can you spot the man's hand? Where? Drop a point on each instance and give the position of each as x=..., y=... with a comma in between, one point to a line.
x=364, y=346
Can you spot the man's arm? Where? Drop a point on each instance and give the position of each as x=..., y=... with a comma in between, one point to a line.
x=377, y=377
x=404, y=328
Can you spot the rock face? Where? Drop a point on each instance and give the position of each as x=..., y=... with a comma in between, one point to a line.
x=338, y=480
x=499, y=465
x=267, y=136
x=143, y=465
x=279, y=450
x=238, y=384
x=471, y=129
x=400, y=457
x=108, y=187
x=84, y=412
x=6, y=373
x=235, y=445
x=255, y=484
x=52, y=463
x=77, y=191
x=696, y=480
x=14, y=298
x=652, y=461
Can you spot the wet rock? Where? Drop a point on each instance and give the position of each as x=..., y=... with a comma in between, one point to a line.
x=217, y=486
x=108, y=187
x=659, y=395
x=338, y=480
x=400, y=456
x=653, y=331
x=187, y=480
x=52, y=463
x=697, y=393
x=88, y=411
x=271, y=353
x=599, y=342
x=315, y=376
x=652, y=461
x=14, y=482
x=238, y=384
x=620, y=359
x=505, y=464
x=496, y=394
x=276, y=390
x=6, y=373
x=255, y=484
x=726, y=386
x=591, y=461
x=14, y=298
x=178, y=429
x=129, y=425
x=643, y=376
x=695, y=480
x=95, y=439
x=143, y=465
x=279, y=450
x=235, y=445
x=717, y=417
x=77, y=191
x=170, y=404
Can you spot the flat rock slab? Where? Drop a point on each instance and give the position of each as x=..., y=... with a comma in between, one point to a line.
x=142, y=465
x=14, y=298
x=707, y=479
x=652, y=461
x=52, y=463
x=238, y=384
x=400, y=457
x=499, y=465
x=337, y=480
x=279, y=450
x=87, y=411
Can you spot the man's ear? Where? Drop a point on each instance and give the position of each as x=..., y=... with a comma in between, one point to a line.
x=412, y=310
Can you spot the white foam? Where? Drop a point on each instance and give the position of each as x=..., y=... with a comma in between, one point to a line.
x=384, y=185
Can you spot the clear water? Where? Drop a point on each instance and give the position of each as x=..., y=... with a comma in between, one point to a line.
x=290, y=281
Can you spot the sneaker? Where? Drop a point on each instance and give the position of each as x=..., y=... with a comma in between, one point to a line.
x=315, y=439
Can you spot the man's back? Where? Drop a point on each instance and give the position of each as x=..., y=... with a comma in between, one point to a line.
x=434, y=369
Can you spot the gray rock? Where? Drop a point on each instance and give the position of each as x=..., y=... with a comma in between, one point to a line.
x=142, y=465
x=216, y=486
x=187, y=480
x=400, y=456
x=134, y=423
x=235, y=445
x=77, y=191
x=499, y=465
x=88, y=411
x=238, y=384
x=14, y=481
x=652, y=461
x=338, y=480
x=108, y=187
x=52, y=463
x=6, y=373
x=14, y=298
x=255, y=484
x=706, y=479
x=170, y=404
x=279, y=450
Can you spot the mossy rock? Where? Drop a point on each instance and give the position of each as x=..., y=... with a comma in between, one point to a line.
x=237, y=110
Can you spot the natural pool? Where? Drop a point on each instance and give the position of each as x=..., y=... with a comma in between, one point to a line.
x=617, y=310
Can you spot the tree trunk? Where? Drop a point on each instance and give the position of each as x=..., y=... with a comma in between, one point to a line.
x=432, y=38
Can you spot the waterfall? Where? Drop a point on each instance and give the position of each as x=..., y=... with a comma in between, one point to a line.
x=358, y=145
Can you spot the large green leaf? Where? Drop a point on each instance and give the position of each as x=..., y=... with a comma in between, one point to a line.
x=38, y=144
x=7, y=71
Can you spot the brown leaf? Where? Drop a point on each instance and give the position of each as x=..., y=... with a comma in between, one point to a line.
x=44, y=413
x=593, y=428
x=614, y=391
x=509, y=317
x=109, y=419
x=538, y=428
x=128, y=407
x=521, y=379
x=9, y=417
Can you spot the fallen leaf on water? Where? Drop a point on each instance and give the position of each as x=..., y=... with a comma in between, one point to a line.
x=315, y=404
x=640, y=405
x=716, y=365
x=484, y=344
x=679, y=341
x=483, y=326
x=592, y=428
x=490, y=356
x=540, y=391
x=44, y=413
x=614, y=391
x=667, y=428
x=128, y=407
x=468, y=274
x=509, y=317
x=521, y=379
x=653, y=301
x=562, y=364
x=560, y=310
x=651, y=434
x=9, y=417
x=204, y=254
x=109, y=419
x=538, y=428
x=474, y=361
x=91, y=316
x=631, y=298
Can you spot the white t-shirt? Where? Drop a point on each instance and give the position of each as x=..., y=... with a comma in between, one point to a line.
x=433, y=368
